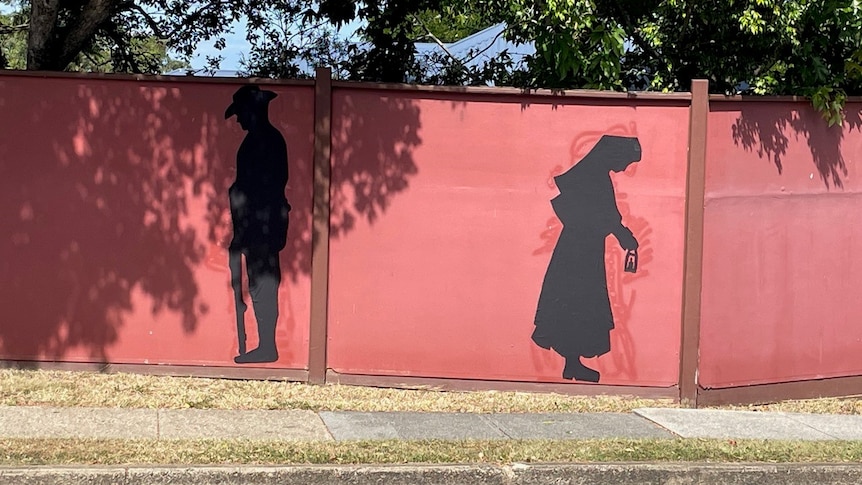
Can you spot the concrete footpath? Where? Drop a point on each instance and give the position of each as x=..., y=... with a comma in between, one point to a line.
x=305, y=426
x=300, y=425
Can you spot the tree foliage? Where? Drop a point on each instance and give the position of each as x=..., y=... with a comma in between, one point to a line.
x=383, y=47
x=13, y=40
x=452, y=20
x=807, y=47
x=110, y=35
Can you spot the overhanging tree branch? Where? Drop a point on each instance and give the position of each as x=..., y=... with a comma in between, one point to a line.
x=490, y=44
x=93, y=15
x=151, y=22
x=632, y=29
x=436, y=40
x=123, y=49
x=11, y=29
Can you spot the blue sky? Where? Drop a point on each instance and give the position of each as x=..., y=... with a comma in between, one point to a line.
x=237, y=47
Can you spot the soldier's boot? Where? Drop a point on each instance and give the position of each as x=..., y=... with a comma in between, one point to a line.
x=264, y=297
x=266, y=351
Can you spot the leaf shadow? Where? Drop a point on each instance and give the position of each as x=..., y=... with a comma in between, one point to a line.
x=115, y=193
x=767, y=129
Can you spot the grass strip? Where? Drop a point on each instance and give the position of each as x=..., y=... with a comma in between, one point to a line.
x=21, y=452
x=89, y=389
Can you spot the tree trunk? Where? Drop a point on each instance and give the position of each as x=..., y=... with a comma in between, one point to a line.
x=51, y=47
x=83, y=28
x=43, y=23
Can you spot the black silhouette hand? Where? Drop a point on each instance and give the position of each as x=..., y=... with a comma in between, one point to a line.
x=627, y=239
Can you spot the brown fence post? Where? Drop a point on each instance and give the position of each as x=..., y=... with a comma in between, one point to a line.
x=693, y=263
x=320, y=226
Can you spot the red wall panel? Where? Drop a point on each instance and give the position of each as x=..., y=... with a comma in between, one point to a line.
x=443, y=230
x=114, y=225
x=115, y=221
x=781, y=240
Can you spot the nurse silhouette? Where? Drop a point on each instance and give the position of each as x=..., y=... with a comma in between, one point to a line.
x=573, y=316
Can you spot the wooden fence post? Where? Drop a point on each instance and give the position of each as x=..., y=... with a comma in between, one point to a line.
x=693, y=264
x=317, y=342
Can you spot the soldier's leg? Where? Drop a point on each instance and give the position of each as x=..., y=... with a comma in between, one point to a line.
x=264, y=277
x=235, y=265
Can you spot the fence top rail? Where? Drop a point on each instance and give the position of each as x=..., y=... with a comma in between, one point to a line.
x=155, y=78
x=512, y=91
x=419, y=88
x=771, y=99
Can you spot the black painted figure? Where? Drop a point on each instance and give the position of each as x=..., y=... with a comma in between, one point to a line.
x=259, y=212
x=574, y=312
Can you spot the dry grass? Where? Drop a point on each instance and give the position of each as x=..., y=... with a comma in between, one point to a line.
x=84, y=389
x=87, y=389
x=17, y=452
x=846, y=405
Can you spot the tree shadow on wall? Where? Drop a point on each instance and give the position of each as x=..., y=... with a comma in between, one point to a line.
x=766, y=128
x=104, y=188
x=99, y=185
x=374, y=162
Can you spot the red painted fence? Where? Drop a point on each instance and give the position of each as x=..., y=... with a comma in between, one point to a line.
x=116, y=224
x=441, y=231
x=440, y=275
x=782, y=239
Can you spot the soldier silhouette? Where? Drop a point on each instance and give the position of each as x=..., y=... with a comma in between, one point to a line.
x=573, y=315
x=259, y=213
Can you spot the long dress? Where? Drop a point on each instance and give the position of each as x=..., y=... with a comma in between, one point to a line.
x=573, y=315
